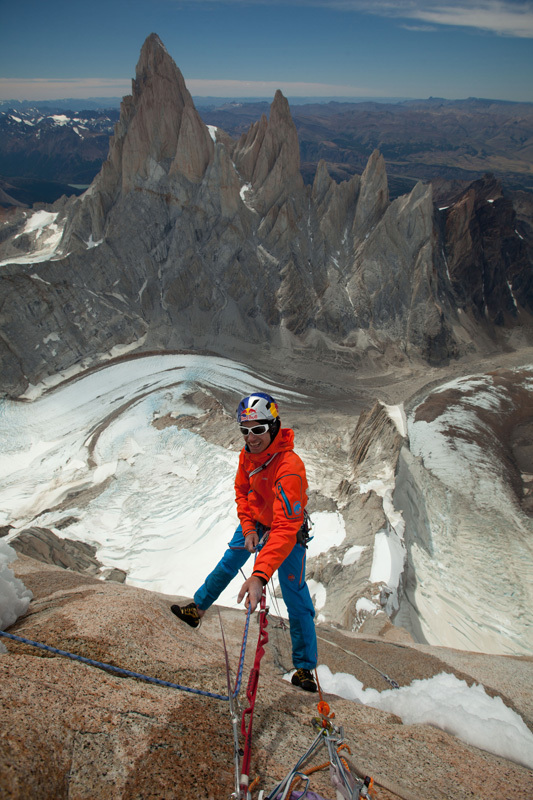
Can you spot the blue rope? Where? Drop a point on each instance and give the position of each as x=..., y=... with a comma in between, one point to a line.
x=121, y=671
x=138, y=675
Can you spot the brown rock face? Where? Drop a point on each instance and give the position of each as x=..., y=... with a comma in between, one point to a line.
x=158, y=125
x=70, y=730
x=268, y=157
x=373, y=197
x=195, y=147
x=184, y=243
x=43, y=545
x=487, y=260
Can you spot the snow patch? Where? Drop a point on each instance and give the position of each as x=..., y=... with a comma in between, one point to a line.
x=388, y=561
x=352, y=555
x=397, y=415
x=245, y=190
x=14, y=597
x=47, y=235
x=364, y=605
x=318, y=593
x=60, y=119
x=484, y=722
x=92, y=243
x=389, y=549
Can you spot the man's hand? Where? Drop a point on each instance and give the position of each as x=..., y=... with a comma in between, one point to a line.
x=251, y=541
x=253, y=589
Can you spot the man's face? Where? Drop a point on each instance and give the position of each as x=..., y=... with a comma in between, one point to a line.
x=256, y=444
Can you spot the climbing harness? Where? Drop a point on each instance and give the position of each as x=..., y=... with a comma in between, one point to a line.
x=304, y=534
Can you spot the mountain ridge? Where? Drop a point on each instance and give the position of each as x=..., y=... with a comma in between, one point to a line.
x=188, y=239
x=459, y=139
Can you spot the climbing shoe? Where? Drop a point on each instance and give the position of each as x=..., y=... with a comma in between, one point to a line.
x=304, y=679
x=188, y=614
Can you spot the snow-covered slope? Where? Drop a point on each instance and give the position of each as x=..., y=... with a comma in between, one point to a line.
x=138, y=459
x=156, y=500
x=464, y=487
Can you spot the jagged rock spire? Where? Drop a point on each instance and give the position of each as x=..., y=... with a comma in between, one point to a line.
x=159, y=128
x=373, y=197
x=268, y=156
x=199, y=261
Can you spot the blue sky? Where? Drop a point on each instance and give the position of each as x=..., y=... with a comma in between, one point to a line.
x=51, y=49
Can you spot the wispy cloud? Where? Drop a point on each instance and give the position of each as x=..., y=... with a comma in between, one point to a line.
x=44, y=89
x=504, y=17
x=420, y=28
x=58, y=89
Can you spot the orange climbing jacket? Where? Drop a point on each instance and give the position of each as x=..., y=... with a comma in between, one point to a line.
x=270, y=488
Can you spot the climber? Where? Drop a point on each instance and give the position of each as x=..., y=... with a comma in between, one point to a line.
x=270, y=491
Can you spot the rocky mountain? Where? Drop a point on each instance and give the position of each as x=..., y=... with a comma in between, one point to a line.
x=190, y=239
x=47, y=153
x=421, y=140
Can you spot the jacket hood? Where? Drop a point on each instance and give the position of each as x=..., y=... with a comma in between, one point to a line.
x=284, y=441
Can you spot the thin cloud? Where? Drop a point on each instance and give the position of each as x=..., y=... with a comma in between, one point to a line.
x=419, y=28
x=503, y=17
x=58, y=89
x=49, y=89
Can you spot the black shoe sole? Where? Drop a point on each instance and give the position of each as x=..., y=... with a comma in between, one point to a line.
x=192, y=623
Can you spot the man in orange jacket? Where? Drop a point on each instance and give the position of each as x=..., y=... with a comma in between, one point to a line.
x=270, y=491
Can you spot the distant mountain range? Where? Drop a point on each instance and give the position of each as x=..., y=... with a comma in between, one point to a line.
x=46, y=152
x=419, y=139
x=52, y=148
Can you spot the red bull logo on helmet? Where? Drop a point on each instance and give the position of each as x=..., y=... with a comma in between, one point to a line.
x=258, y=406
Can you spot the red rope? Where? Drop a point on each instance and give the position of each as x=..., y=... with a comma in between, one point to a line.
x=251, y=692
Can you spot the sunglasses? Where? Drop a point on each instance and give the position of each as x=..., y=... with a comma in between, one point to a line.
x=257, y=430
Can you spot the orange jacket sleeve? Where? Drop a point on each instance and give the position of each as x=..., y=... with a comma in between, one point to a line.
x=289, y=499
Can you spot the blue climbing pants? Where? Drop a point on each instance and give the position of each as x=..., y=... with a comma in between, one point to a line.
x=294, y=589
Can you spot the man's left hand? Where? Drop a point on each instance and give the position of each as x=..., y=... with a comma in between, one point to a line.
x=253, y=589
x=251, y=541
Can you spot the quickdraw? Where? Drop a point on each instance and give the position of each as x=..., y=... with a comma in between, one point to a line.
x=342, y=777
